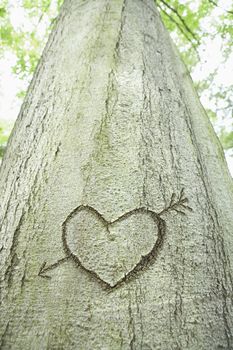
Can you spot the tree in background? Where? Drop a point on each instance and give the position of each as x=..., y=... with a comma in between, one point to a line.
x=193, y=26
x=116, y=202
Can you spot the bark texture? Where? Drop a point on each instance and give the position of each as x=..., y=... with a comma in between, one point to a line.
x=95, y=252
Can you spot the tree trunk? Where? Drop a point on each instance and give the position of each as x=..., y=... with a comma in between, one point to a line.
x=116, y=201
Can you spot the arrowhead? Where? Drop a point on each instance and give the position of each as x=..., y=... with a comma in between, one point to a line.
x=44, y=267
x=42, y=270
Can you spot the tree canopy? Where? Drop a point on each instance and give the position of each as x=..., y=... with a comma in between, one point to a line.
x=194, y=27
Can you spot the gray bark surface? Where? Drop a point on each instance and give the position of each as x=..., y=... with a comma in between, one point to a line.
x=99, y=247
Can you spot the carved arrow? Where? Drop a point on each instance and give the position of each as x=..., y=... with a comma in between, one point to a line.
x=44, y=268
x=178, y=204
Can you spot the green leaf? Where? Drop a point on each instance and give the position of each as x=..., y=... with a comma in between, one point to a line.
x=2, y=11
x=5, y=129
x=226, y=139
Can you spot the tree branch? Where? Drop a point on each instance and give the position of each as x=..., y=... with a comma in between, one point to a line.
x=215, y=4
x=182, y=20
x=181, y=29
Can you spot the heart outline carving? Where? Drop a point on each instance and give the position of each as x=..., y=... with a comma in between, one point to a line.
x=143, y=262
x=177, y=204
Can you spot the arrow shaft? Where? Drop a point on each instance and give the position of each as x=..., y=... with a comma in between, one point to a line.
x=57, y=263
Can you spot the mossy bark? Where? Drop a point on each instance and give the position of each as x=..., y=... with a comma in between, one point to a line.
x=111, y=122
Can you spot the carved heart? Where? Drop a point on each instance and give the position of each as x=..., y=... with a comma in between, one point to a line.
x=112, y=250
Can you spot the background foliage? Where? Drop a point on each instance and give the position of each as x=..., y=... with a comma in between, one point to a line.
x=193, y=25
x=4, y=135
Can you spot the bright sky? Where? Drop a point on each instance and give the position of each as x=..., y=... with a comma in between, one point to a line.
x=210, y=53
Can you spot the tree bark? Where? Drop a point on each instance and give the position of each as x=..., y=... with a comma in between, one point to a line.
x=116, y=201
